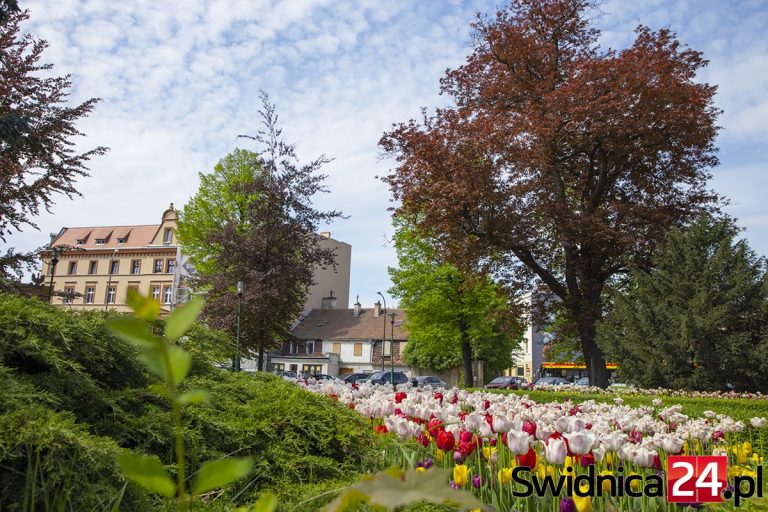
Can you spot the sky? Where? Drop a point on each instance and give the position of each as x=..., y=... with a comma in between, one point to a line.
x=179, y=81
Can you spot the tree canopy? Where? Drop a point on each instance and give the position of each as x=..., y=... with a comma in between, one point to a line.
x=37, y=155
x=559, y=163
x=453, y=316
x=252, y=220
x=696, y=320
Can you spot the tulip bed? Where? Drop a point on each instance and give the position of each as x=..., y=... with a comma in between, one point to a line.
x=502, y=446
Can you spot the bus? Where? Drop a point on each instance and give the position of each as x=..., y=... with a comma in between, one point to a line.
x=571, y=371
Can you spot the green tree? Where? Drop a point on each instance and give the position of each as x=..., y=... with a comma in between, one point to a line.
x=252, y=220
x=453, y=316
x=38, y=159
x=696, y=320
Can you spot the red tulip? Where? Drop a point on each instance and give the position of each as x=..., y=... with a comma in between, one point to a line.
x=445, y=441
x=400, y=396
x=528, y=460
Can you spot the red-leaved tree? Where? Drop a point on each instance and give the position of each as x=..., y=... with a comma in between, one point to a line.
x=560, y=163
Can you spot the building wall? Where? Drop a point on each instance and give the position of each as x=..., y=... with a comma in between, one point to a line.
x=145, y=280
x=327, y=279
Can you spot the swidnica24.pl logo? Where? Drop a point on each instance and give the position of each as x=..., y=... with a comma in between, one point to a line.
x=690, y=479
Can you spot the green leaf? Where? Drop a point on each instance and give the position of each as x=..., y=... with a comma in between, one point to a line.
x=144, y=307
x=182, y=318
x=196, y=396
x=385, y=489
x=133, y=331
x=219, y=473
x=148, y=472
x=181, y=360
x=267, y=502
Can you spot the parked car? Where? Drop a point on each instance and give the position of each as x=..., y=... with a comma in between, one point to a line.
x=551, y=381
x=285, y=374
x=321, y=376
x=394, y=378
x=583, y=381
x=428, y=380
x=355, y=378
x=507, y=382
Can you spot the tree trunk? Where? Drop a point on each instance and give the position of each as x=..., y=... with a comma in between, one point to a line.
x=466, y=354
x=261, y=357
x=593, y=355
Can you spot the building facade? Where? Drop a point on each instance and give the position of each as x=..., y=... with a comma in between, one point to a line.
x=338, y=342
x=94, y=267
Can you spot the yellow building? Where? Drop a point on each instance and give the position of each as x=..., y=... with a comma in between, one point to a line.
x=94, y=267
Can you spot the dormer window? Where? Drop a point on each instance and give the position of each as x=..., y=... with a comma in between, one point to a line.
x=122, y=240
x=167, y=236
x=80, y=241
x=101, y=241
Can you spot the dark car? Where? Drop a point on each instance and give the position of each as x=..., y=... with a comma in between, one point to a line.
x=507, y=383
x=394, y=378
x=427, y=380
x=355, y=378
x=322, y=376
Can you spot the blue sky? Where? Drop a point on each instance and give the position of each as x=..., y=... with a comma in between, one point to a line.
x=179, y=81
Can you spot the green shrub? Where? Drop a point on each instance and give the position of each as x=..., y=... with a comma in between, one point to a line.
x=66, y=371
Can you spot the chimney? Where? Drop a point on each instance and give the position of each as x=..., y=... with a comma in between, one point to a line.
x=376, y=308
x=325, y=234
x=356, y=312
x=329, y=302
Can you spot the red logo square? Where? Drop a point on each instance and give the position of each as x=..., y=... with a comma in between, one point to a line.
x=698, y=479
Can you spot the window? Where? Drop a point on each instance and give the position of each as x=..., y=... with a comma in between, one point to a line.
x=337, y=348
x=80, y=241
x=310, y=347
x=311, y=368
x=168, y=236
x=72, y=268
x=167, y=294
x=135, y=266
x=122, y=240
x=114, y=266
x=358, y=349
x=520, y=371
x=69, y=292
x=156, y=293
x=101, y=241
x=93, y=267
x=278, y=367
x=293, y=348
x=171, y=266
x=111, y=295
x=158, y=266
x=132, y=286
x=90, y=291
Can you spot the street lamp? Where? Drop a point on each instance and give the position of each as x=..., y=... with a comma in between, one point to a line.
x=383, y=336
x=392, y=350
x=54, y=261
x=239, y=301
x=109, y=280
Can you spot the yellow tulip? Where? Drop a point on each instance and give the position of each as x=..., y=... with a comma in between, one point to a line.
x=460, y=474
x=635, y=483
x=488, y=451
x=583, y=504
x=505, y=475
x=439, y=455
x=542, y=470
x=569, y=462
x=609, y=458
x=605, y=483
x=421, y=469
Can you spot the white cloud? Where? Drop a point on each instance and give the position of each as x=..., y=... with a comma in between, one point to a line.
x=180, y=81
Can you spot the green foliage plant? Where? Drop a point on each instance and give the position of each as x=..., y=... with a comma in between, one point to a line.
x=171, y=363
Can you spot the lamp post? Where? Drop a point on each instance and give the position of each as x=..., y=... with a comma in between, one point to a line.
x=109, y=281
x=236, y=366
x=54, y=261
x=383, y=336
x=392, y=351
